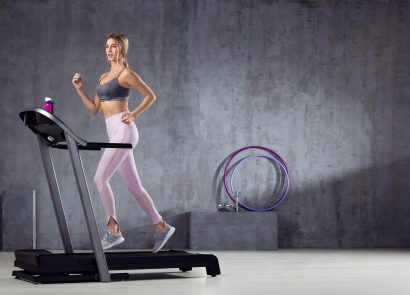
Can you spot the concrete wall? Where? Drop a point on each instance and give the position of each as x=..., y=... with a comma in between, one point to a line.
x=324, y=83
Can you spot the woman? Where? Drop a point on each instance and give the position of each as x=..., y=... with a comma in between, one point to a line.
x=112, y=97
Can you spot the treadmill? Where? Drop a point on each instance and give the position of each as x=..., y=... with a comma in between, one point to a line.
x=42, y=266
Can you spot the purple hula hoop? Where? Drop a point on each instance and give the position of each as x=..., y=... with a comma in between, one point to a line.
x=269, y=151
x=281, y=167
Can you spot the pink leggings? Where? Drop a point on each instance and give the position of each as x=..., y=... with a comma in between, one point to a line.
x=123, y=160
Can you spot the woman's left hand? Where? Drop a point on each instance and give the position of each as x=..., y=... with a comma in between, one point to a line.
x=127, y=118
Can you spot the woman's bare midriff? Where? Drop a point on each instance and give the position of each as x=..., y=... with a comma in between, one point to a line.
x=111, y=108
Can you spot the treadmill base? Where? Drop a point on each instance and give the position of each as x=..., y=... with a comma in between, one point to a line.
x=42, y=266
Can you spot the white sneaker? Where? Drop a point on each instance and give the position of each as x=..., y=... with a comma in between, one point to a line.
x=161, y=237
x=110, y=240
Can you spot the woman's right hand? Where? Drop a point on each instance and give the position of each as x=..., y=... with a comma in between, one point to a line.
x=77, y=81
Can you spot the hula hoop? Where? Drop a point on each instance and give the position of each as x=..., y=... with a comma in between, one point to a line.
x=282, y=197
x=277, y=158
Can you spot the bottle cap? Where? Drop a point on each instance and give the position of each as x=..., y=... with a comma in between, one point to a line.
x=48, y=99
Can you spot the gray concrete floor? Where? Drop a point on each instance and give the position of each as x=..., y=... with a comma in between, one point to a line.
x=316, y=272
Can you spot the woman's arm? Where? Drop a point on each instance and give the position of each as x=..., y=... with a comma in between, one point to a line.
x=93, y=106
x=132, y=80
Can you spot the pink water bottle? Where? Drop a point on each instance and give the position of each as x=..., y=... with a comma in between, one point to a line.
x=48, y=105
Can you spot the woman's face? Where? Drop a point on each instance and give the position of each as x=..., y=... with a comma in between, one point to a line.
x=111, y=49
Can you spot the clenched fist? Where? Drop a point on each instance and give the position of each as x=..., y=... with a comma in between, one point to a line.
x=77, y=81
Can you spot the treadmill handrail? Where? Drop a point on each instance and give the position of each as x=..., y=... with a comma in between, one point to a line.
x=94, y=146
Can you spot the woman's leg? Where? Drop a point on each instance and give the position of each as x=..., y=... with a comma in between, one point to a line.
x=109, y=164
x=129, y=172
x=130, y=175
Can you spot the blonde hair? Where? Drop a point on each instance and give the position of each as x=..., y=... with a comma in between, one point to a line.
x=122, y=42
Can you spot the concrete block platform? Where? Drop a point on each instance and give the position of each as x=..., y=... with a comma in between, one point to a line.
x=256, y=231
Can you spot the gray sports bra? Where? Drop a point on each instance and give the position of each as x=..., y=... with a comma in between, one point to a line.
x=112, y=90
